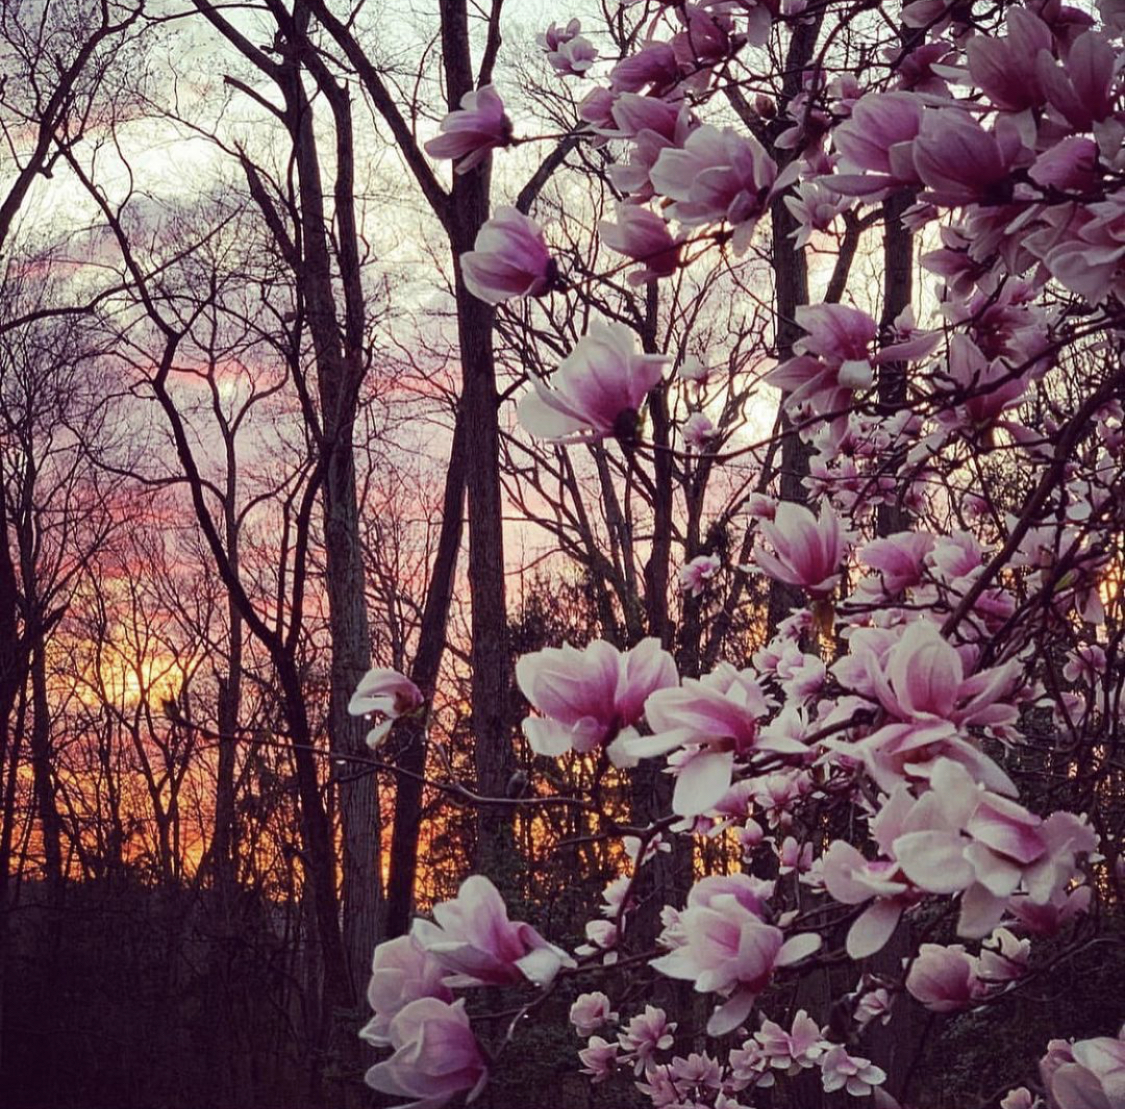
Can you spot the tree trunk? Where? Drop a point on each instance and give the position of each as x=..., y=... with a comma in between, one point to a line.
x=480, y=403
x=410, y=734
x=340, y=371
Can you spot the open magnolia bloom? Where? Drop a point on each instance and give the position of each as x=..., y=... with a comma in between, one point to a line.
x=957, y=837
x=726, y=947
x=472, y=938
x=509, y=259
x=706, y=723
x=918, y=678
x=597, y=391
x=436, y=1056
x=471, y=132
x=386, y=693
x=591, y=698
x=807, y=550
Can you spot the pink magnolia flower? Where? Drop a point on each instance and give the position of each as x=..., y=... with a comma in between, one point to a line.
x=653, y=126
x=897, y=560
x=1094, y=1078
x=1006, y=67
x=960, y=837
x=699, y=432
x=568, y=51
x=1086, y=664
x=596, y=110
x=1092, y=261
x=644, y=237
x=646, y=1034
x=878, y=141
x=598, y=1058
x=852, y=879
x=1003, y=957
x=1081, y=89
x=698, y=572
x=728, y=949
x=1052, y=916
x=435, y=1058
x=1069, y=165
x=750, y=1066
x=720, y=175
x=841, y=1071
x=597, y=391
x=832, y=360
x=807, y=551
x=714, y=718
x=653, y=66
x=945, y=979
x=387, y=693
x=402, y=971
x=793, y=856
x=815, y=208
x=792, y=1051
x=509, y=259
x=590, y=1011
x=696, y=1070
x=920, y=682
x=707, y=39
x=470, y=132
x=476, y=943
x=588, y=698
x=960, y=162
x=874, y=1005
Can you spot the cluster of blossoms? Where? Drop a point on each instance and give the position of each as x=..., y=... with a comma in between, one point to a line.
x=700, y=1080
x=906, y=683
x=470, y=942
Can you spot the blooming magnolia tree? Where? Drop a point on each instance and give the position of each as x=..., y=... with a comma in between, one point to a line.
x=875, y=762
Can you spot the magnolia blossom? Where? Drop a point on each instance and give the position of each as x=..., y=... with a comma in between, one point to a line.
x=959, y=836
x=878, y=142
x=475, y=942
x=644, y=237
x=599, y=1058
x=597, y=391
x=806, y=551
x=402, y=971
x=945, y=979
x=590, y=1011
x=698, y=572
x=962, y=163
x=795, y=1050
x=852, y=879
x=699, y=431
x=714, y=719
x=509, y=259
x=1092, y=261
x=645, y=1035
x=920, y=682
x=835, y=358
x=874, y=1005
x=1003, y=957
x=729, y=949
x=588, y=698
x=841, y=1071
x=470, y=132
x=898, y=561
x=435, y=1058
x=1089, y=1074
x=388, y=693
x=720, y=175
x=568, y=51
